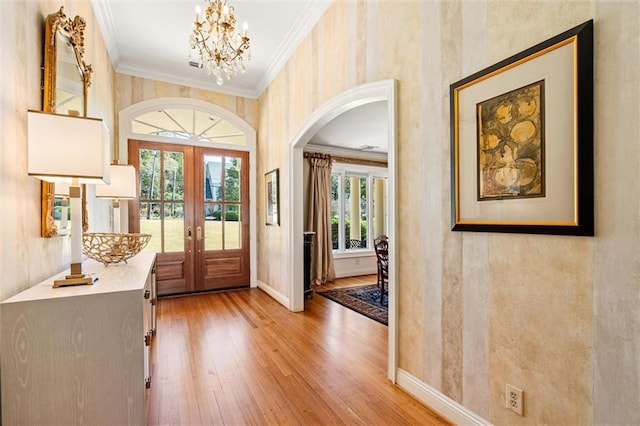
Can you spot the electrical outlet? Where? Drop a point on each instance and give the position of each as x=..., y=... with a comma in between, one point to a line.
x=515, y=399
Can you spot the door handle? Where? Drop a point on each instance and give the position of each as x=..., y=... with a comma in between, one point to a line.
x=199, y=233
x=189, y=233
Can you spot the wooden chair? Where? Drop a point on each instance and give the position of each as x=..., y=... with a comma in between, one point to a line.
x=381, y=245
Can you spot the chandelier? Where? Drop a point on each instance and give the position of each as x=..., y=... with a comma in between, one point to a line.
x=220, y=48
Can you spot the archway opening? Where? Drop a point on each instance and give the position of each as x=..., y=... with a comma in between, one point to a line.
x=372, y=92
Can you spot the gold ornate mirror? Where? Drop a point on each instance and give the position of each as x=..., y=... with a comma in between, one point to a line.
x=66, y=79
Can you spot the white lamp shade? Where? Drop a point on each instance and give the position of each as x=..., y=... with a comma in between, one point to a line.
x=123, y=183
x=63, y=148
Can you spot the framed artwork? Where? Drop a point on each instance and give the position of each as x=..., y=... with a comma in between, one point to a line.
x=522, y=141
x=273, y=197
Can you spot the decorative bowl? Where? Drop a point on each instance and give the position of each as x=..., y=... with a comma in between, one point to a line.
x=109, y=248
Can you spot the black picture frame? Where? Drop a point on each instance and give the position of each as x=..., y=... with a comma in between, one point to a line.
x=272, y=191
x=566, y=207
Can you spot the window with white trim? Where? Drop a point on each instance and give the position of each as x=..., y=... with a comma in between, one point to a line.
x=358, y=206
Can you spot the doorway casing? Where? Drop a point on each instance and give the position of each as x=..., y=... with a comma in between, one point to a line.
x=384, y=90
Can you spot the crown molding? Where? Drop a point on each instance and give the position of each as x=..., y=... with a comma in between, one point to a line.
x=137, y=70
x=311, y=15
x=104, y=18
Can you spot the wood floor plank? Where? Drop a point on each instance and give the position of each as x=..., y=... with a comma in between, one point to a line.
x=239, y=358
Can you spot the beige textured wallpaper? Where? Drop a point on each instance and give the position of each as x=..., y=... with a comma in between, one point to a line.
x=540, y=314
x=477, y=311
x=25, y=257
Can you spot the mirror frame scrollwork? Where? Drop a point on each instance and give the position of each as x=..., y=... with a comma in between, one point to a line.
x=73, y=31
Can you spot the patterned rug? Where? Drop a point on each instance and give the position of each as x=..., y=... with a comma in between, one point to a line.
x=363, y=299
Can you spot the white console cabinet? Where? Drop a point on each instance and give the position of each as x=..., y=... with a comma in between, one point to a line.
x=80, y=355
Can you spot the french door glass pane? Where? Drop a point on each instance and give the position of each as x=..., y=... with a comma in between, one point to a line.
x=232, y=228
x=212, y=226
x=150, y=223
x=173, y=227
x=162, y=199
x=212, y=178
x=232, y=179
x=149, y=174
x=173, y=176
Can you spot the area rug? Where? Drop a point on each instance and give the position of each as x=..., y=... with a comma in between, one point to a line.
x=364, y=299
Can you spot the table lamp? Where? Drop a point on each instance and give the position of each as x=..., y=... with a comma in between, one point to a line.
x=122, y=187
x=72, y=150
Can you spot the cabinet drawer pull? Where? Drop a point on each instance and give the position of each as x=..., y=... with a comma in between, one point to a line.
x=147, y=294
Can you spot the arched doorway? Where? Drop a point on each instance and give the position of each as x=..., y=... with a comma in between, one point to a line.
x=198, y=124
x=372, y=92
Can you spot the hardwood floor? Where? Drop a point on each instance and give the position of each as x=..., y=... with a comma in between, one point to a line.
x=240, y=358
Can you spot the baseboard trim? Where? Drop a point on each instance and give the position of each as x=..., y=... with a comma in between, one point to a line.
x=276, y=295
x=439, y=402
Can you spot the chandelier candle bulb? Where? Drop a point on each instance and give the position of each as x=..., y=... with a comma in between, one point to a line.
x=245, y=27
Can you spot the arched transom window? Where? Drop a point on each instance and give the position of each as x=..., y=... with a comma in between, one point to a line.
x=188, y=124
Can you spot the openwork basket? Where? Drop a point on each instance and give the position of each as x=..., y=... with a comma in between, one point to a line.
x=113, y=248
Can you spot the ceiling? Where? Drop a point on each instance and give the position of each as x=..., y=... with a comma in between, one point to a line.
x=363, y=128
x=150, y=39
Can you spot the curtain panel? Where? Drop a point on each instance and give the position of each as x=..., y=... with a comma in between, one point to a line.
x=319, y=219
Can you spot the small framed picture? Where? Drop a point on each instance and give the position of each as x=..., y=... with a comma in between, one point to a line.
x=273, y=197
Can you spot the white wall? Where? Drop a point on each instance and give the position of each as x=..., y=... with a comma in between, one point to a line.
x=356, y=265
